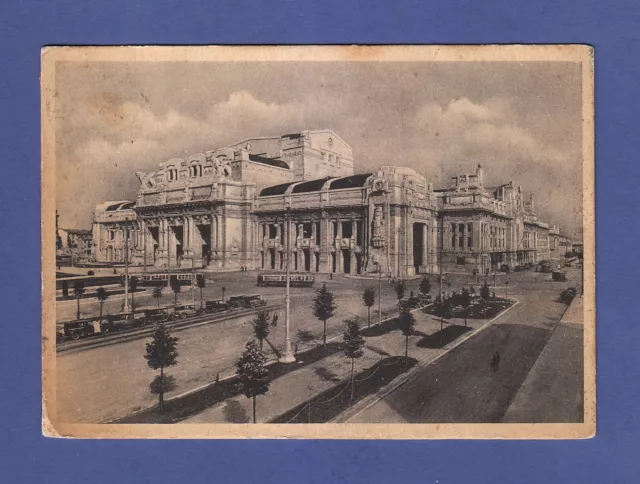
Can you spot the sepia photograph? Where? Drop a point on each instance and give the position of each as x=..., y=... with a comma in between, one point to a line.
x=370, y=242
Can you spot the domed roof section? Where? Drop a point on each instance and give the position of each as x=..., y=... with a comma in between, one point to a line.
x=311, y=185
x=353, y=181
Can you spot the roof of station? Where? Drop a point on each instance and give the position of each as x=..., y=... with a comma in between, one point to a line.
x=353, y=181
x=269, y=161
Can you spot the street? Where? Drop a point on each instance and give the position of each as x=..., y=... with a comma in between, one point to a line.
x=461, y=386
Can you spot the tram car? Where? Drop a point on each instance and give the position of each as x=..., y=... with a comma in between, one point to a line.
x=295, y=280
x=162, y=278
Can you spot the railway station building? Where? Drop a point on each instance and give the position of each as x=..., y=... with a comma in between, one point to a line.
x=262, y=201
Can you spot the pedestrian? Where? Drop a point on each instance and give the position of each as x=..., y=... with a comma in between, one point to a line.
x=496, y=357
x=274, y=320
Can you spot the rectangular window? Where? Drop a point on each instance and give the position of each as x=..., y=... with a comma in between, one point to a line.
x=359, y=233
x=282, y=232
x=273, y=231
x=335, y=230
x=347, y=230
x=306, y=230
x=317, y=233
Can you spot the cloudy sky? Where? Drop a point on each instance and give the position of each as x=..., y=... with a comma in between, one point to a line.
x=521, y=121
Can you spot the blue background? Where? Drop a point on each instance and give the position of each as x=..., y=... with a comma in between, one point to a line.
x=611, y=26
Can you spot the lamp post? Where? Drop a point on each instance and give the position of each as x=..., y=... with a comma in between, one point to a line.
x=127, y=308
x=379, y=291
x=288, y=356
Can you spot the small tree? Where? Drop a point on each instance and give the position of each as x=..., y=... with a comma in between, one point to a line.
x=78, y=292
x=201, y=285
x=324, y=308
x=407, y=323
x=425, y=285
x=465, y=302
x=102, y=295
x=400, y=288
x=157, y=294
x=485, y=295
x=252, y=375
x=176, y=288
x=353, y=343
x=369, y=299
x=133, y=286
x=260, y=324
x=161, y=353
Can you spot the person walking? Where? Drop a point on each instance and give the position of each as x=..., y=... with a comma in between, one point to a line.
x=496, y=361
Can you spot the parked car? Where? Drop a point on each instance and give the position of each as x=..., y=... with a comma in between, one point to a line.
x=215, y=306
x=122, y=321
x=504, y=268
x=78, y=329
x=519, y=268
x=425, y=298
x=185, y=311
x=567, y=295
x=254, y=301
x=559, y=276
x=158, y=315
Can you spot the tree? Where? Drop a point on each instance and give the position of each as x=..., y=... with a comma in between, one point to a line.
x=400, y=288
x=407, y=323
x=260, y=324
x=252, y=375
x=369, y=298
x=425, y=285
x=161, y=353
x=133, y=286
x=157, y=293
x=324, y=308
x=176, y=288
x=78, y=292
x=102, y=295
x=465, y=302
x=224, y=289
x=485, y=295
x=353, y=343
x=201, y=281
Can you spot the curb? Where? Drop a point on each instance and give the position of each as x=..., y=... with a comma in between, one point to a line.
x=371, y=400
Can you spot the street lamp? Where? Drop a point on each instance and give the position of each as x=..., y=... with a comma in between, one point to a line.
x=379, y=291
x=288, y=356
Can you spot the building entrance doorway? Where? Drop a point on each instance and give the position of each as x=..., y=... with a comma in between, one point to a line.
x=346, y=261
x=307, y=260
x=418, y=246
x=205, y=236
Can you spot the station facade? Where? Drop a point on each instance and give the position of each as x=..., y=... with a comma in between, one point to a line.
x=262, y=201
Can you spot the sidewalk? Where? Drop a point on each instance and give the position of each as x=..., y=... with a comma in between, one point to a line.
x=298, y=386
x=553, y=391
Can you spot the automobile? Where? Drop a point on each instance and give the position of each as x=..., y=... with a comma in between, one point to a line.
x=425, y=298
x=215, y=306
x=122, y=321
x=546, y=268
x=254, y=301
x=78, y=329
x=236, y=302
x=559, y=276
x=568, y=294
x=184, y=311
x=158, y=315
x=504, y=268
x=519, y=268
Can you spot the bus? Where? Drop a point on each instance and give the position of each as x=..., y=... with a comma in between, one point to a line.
x=300, y=280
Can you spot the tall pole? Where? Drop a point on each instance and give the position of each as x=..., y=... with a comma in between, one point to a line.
x=288, y=356
x=441, y=249
x=168, y=254
x=127, y=308
x=379, y=292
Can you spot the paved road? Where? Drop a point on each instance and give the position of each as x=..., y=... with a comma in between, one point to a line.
x=112, y=381
x=460, y=387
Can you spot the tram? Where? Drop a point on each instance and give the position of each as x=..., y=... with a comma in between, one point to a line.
x=299, y=280
x=162, y=278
